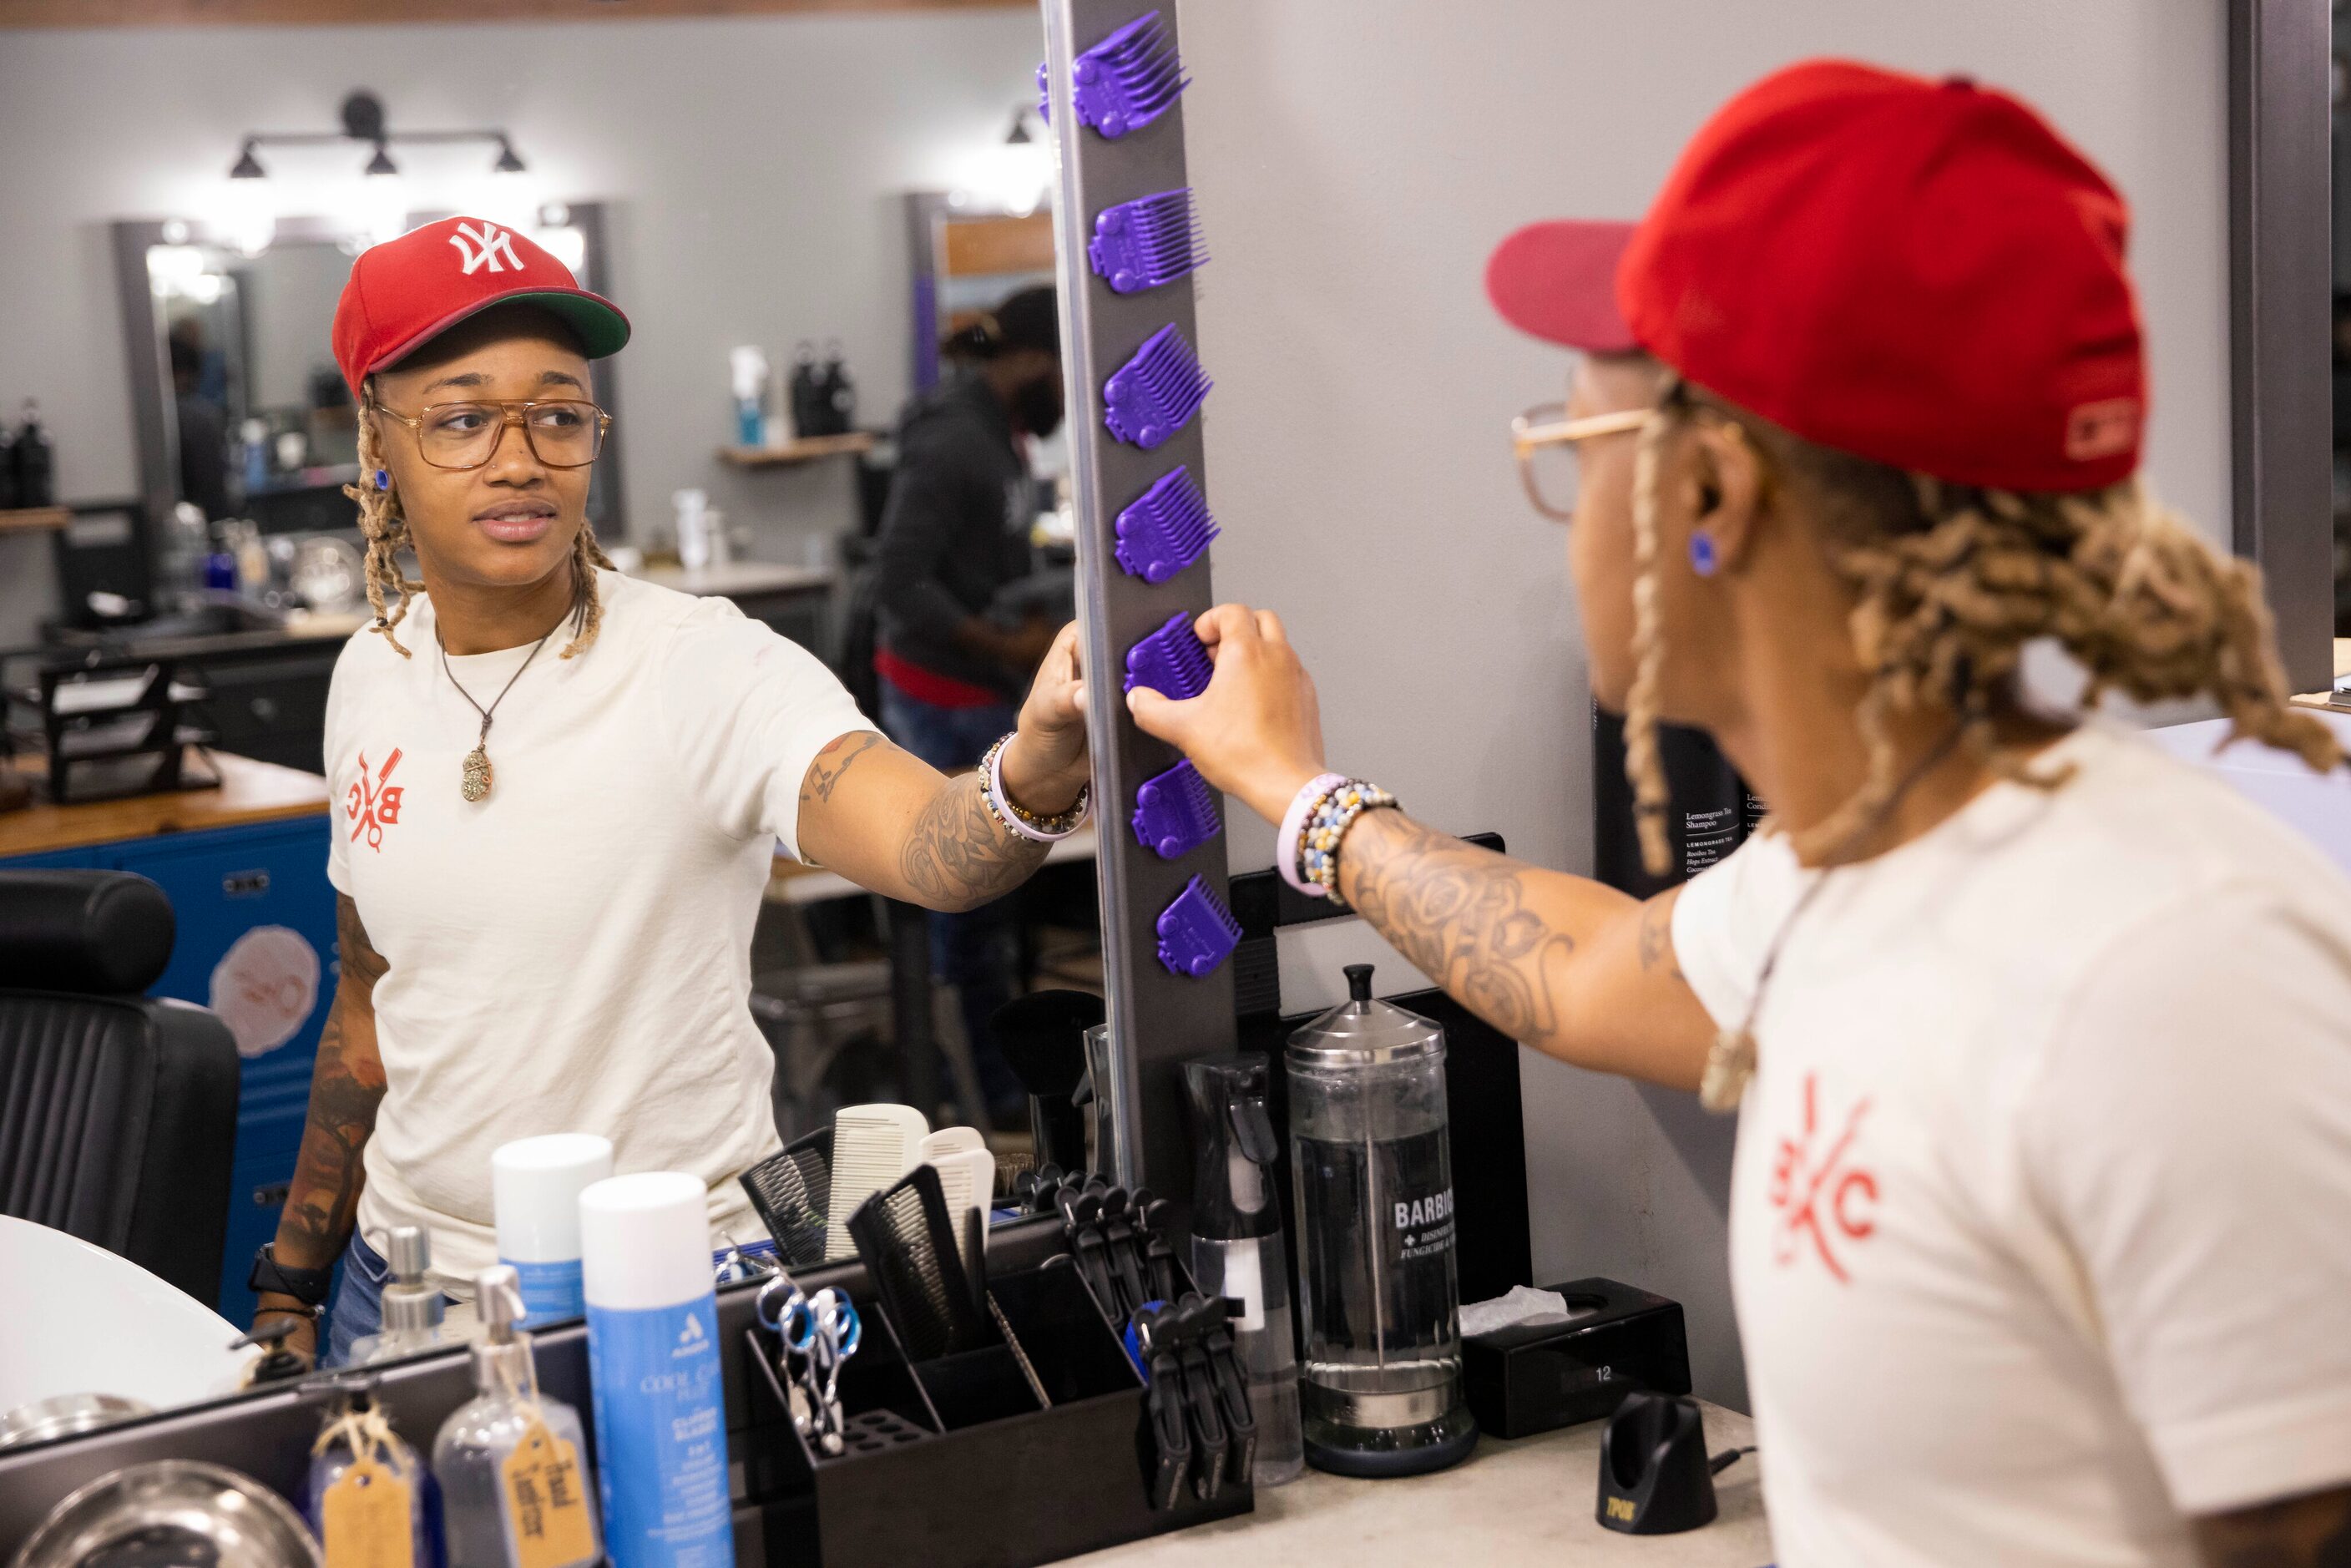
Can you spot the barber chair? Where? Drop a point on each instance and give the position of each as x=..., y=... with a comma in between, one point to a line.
x=117, y=1111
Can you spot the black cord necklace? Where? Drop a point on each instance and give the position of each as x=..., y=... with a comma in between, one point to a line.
x=475, y=783
x=1732, y=1061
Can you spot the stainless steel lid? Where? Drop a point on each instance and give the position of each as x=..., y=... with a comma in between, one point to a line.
x=408, y=1251
x=1363, y=1032
x=172, y=1510
x=65, y=1416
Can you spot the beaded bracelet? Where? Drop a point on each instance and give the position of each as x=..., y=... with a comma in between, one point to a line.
x=1008, y=814
x=1326, y=828
x=1290, y=837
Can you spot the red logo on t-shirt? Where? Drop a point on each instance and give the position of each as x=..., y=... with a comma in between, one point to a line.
x=1821, y=1194
x=372, y=803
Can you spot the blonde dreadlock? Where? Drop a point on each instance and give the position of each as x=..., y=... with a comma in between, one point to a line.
x=386, y=529
x=1953, y=581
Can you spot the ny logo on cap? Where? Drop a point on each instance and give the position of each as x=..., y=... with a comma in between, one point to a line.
x=489, y=243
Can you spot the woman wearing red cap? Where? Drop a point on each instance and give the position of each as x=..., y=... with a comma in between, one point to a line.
x=559, y=791
x=2040, y=1213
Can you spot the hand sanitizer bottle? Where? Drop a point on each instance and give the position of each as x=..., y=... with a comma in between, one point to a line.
x=514, y=1483
x=411, y=1306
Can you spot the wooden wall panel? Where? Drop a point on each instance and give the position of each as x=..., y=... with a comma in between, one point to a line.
x=985, y=247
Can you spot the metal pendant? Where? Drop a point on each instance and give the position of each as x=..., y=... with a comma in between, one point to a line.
x=476, y=785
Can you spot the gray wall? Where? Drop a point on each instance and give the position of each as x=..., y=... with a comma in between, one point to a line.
x=754, y=167
x=1355, y=161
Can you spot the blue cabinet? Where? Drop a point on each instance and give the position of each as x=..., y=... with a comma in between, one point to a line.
x=256, y=943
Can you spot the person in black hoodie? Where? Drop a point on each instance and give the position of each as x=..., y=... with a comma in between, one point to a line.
x=954, y=538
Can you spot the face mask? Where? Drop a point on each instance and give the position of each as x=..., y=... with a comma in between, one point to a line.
x=1037, y=405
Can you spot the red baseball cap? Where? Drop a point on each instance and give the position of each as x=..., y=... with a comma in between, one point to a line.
x=1917, y=272
x=405, y=292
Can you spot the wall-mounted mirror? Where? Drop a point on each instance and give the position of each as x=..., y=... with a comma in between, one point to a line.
x=899, y=455
x=237, y=403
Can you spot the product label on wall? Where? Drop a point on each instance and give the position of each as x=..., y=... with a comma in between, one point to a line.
x=660, y=1435
x=263, y=987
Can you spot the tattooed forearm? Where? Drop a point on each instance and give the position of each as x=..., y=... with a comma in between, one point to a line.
x=1461, y=913
x=958, y=856
x=346, y=1088
x=832, y=764
x=2309, y=1532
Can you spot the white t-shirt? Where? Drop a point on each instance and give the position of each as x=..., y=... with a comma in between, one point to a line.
x=2040, y=1213
x=573, y=953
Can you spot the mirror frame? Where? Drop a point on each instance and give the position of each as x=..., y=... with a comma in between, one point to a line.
x=150, y=378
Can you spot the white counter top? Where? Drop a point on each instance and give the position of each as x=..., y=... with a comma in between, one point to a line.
x=739, y=576
x=1529, y=1502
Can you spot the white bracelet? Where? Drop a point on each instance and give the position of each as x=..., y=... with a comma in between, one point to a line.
x=1291, y=839
x=1001, y=806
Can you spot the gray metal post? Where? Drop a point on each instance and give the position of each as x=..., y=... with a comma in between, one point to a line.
x=1158, y=1019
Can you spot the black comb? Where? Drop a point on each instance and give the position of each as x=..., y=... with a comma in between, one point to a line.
x=908, y=1246
x=790, y=1191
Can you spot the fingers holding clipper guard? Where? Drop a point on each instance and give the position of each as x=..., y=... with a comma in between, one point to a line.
x=1172, y=661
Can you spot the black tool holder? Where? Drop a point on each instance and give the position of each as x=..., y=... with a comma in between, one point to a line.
x=953, y=1462
x=988, y=1478
x=112, y=727
x=1158, y=1018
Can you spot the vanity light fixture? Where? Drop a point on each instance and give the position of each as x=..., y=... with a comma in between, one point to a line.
x=363, y=121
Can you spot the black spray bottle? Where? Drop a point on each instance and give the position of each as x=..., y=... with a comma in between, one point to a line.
x=1236, y=1250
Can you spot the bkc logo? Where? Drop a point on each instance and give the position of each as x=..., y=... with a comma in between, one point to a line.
x=1820, y=1193
x=372, y=804
x=488, y=242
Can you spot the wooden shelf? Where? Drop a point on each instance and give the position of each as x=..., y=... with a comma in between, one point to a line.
x=814, y=449
x=33, y=520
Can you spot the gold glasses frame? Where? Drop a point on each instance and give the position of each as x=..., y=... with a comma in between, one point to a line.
x=1545, y=425
x=515, y=414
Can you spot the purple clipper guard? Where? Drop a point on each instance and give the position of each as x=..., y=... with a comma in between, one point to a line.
x=1166, y=530
x=1144, y=243
x=1176, y=813
x=1197, y=932
x=1172, y=661
x=1155, y=393
x=1129, y=79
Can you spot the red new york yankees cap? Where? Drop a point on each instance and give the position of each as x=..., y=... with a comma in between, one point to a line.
x=405, y=292
x=1919, y=272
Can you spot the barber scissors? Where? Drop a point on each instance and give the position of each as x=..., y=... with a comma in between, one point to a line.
x=816, y=1335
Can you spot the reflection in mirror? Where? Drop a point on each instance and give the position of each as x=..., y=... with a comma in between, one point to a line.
x=564, y=852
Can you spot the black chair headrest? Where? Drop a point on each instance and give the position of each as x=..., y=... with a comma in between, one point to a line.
x=107, y=933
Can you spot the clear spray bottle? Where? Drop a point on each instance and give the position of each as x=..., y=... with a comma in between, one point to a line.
x=1236, y=1250
x=514, y=1484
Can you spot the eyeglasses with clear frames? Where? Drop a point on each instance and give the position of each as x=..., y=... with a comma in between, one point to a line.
x=565, y=432
x=1546, y=440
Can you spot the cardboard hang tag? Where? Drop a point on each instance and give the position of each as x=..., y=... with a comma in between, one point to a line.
x=364, y=1517
x=547, y=1502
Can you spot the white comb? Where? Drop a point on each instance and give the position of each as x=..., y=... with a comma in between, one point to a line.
x=952, y=1141
x=967, y=1181
x=874, y=1147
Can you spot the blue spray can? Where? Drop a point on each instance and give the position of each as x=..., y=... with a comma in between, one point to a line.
x=653, y=1362
x=535, y=1187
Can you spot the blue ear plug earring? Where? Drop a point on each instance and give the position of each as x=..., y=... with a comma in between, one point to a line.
x=1703, y=560
x=383, y=480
